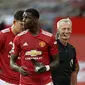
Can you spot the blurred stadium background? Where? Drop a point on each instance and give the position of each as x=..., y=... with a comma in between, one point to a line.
x=50, y=12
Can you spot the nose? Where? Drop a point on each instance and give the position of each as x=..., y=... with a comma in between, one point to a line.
x=66, y=30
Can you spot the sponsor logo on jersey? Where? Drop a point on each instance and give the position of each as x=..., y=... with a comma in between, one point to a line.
x=35, y=58
x=33, y=53
x=42, y=44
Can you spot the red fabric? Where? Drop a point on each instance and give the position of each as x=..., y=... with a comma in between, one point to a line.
x=35, y=47
x=7, y=74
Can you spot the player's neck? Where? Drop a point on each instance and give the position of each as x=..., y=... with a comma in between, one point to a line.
x=35, y=31
x=13, y=30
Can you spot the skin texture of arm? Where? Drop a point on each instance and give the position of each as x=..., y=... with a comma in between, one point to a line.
x=15, y=67
x=74, y=75
x=55, y=62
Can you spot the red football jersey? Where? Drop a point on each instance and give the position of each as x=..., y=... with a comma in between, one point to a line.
x=6, y=43
x=40, y=48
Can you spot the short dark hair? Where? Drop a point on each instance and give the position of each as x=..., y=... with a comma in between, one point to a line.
x=34, y=12
x=18, y=15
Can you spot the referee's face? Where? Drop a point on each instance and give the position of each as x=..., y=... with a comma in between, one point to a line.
x=65, y=31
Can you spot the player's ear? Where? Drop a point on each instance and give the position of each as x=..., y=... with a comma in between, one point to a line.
x=14, y=21
x=36, y=20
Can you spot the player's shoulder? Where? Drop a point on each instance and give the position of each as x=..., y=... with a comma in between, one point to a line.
x=22, y=33
x=7, y=30
x=4, y=32
x=48, y=34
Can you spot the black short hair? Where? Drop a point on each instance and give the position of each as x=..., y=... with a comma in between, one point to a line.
x=34, y=12
x=19, y=15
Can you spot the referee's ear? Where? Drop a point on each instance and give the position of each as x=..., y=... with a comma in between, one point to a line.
x=57, y=35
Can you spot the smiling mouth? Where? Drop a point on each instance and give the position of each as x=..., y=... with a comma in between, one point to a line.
x=66, y=35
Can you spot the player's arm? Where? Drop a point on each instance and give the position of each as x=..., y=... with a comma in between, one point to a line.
x=13, y=64
x=54, y=53
x=55, y=62
x=74, y=75
x=77, y=66
x=75, y=71
x=14, y=57
x=15, y=67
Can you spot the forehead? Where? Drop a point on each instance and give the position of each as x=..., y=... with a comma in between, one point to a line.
x=65, y=25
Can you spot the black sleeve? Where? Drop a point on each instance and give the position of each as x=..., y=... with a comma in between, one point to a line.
x=74, y=59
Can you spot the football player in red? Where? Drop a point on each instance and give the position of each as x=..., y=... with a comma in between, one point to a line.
x=35, y=47
x=7, y=75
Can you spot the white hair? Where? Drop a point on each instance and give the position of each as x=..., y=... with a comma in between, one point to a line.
x=66, y=20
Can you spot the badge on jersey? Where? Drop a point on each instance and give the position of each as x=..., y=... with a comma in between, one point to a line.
x=71, y=62
x=42, y=44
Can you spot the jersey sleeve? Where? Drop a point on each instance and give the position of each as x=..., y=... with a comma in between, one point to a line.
x=2, y=40
x=53, y=47
x=16, y=46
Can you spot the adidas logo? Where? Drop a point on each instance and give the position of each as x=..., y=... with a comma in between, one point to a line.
x=10, y=42
x=25, y=44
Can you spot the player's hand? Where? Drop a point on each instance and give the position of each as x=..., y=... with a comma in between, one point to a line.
x=23, y=72
x=39, y=67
